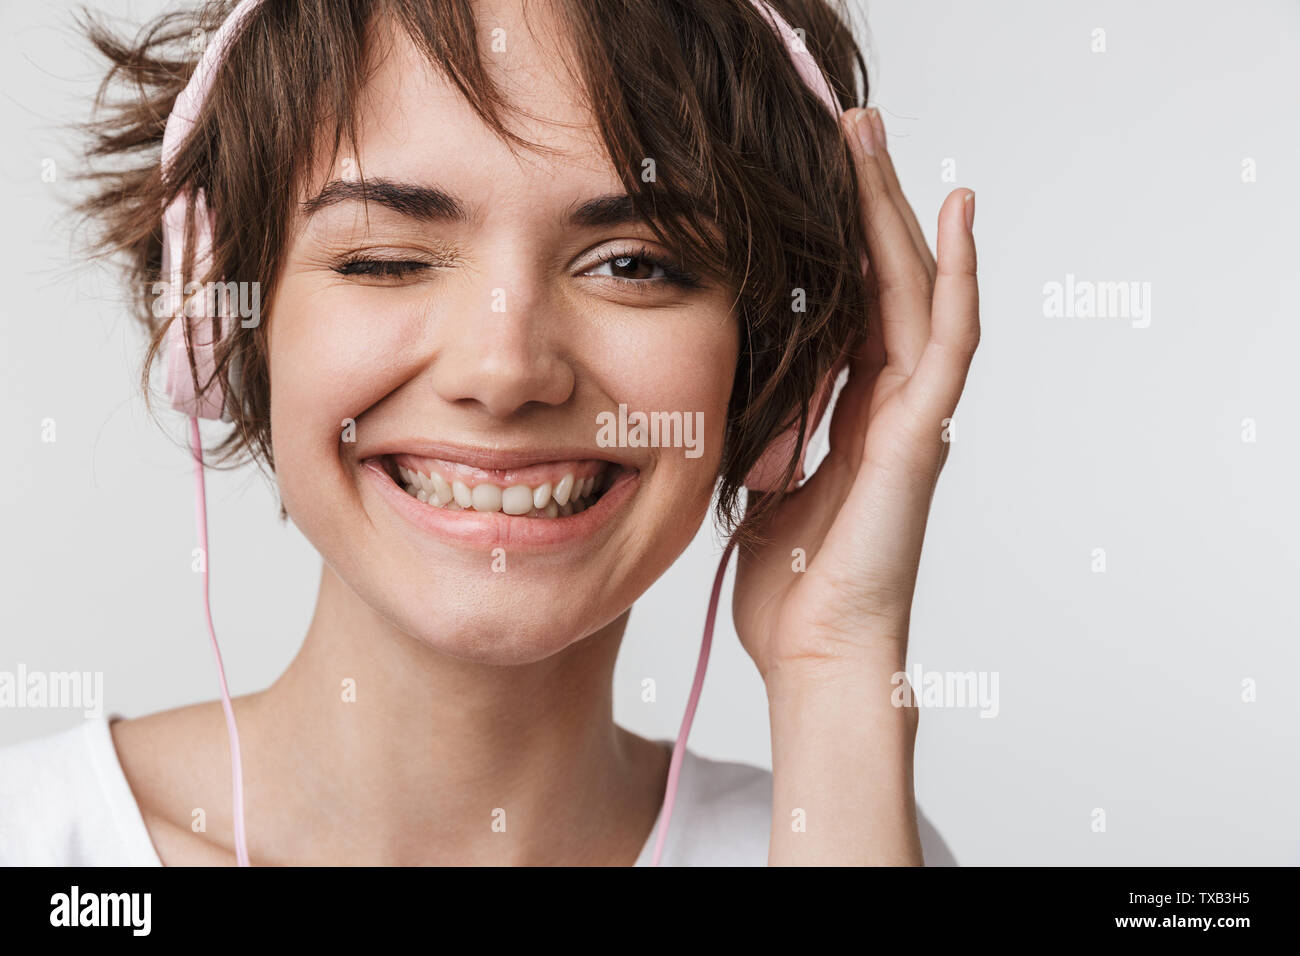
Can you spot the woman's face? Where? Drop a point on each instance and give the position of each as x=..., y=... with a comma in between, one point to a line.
x=465, y=334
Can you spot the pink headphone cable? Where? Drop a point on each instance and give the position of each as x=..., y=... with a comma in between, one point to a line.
x=236, y=761
x=697, y=685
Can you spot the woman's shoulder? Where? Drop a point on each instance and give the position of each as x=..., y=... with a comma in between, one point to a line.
x=64, y=801
x=723, y=817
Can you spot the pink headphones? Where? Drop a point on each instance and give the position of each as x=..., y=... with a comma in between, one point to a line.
x=203, y=341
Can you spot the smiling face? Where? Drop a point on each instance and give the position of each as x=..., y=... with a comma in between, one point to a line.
x=474, y=319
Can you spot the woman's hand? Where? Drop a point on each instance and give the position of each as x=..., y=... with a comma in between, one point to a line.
x=859, y=521
x=828, y=639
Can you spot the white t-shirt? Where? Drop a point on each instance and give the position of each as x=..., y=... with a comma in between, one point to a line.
x=64, y=801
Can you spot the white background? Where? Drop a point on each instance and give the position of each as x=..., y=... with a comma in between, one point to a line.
x=1119, y=690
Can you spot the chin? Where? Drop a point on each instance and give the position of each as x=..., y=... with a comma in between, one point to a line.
x=507, y=623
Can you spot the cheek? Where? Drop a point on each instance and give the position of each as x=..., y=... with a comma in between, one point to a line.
x=330, y=358
x=683, y=365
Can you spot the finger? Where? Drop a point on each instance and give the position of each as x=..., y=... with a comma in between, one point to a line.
x=955, y=326
x=902, y=281
x=896, y=193
x=852, y=412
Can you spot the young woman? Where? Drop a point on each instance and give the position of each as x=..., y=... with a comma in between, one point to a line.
x=478, y=229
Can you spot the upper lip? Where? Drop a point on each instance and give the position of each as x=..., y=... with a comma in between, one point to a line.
x=495, y=457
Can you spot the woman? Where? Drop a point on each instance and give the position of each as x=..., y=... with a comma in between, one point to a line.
x=477, y=231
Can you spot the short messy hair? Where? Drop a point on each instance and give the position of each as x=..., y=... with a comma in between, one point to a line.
x=754, y=183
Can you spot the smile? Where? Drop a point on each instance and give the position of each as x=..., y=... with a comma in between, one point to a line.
x=514, y=500
x=550, y=490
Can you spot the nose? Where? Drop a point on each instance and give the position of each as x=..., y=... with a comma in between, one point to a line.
x=502, y=347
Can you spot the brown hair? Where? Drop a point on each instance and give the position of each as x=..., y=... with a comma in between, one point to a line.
x=705, y=87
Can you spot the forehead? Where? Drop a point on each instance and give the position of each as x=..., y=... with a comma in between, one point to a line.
x=413, y=123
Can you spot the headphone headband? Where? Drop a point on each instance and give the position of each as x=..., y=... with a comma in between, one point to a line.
x=203, y=337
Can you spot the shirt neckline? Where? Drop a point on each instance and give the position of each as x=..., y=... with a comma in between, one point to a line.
x=123, y=806
x=125, y=809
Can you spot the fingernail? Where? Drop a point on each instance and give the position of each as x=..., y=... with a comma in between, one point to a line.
x=866, y=135
x=970, y=212
x=878, y=122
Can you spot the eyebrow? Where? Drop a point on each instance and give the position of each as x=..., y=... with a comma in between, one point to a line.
x=613, y=210
x=430, y=204
x=425, y=203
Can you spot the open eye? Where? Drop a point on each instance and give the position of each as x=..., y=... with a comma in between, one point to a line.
x=640, y=266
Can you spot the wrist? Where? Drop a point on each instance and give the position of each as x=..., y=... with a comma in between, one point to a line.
x=869, y=671
x=842, y=755
x=847, y=703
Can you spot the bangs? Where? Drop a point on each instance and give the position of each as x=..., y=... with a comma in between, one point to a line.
x=728, y=157
x=326, y=63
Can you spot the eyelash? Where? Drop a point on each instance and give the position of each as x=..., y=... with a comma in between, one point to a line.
x=380, y=268
x=673, y=274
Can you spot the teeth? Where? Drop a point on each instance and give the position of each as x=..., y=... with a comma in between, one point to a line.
x=569, y=496
x=442, y=492
x=563, y=490
x=542, y=495
x=464, y=497
x=487, y=498
x=517, y=500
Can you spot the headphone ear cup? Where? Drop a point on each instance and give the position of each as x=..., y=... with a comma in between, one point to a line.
x=233, y=376
x=770, y=468
x=203, y=337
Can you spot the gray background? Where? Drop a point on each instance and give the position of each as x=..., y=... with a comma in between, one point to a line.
x=1119, y=691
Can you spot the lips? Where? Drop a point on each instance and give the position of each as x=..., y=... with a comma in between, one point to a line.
x=589, y=515
x=555, y=489
x=612, y=487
